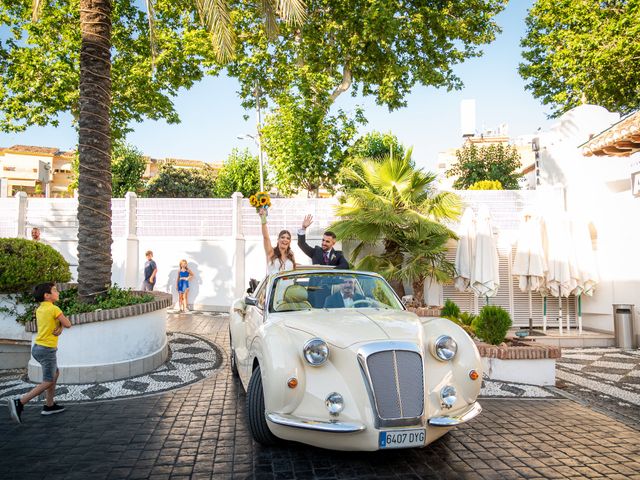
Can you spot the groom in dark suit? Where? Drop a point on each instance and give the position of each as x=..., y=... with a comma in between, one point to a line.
x=325, y=254
x=346, y=297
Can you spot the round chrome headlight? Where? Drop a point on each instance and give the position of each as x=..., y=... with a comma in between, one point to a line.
x=334, y=403
x=316, y=352
x=448, y=395
x=445, y=348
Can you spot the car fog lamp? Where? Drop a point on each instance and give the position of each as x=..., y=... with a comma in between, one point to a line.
x=334, y=403
x=473, y=375
x=445, y=348
x=316, y=352
x=448, y=396
x=292, y=382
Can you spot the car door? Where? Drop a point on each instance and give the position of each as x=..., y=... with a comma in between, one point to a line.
x=254, y=318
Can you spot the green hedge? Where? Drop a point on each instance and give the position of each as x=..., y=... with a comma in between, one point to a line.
x=25, y=263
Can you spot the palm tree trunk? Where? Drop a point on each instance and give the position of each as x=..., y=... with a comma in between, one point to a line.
x=418, y=291
x=94, y=147
x=392, y=252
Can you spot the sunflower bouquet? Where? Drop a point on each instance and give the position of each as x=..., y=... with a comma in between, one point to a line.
x=260, y=200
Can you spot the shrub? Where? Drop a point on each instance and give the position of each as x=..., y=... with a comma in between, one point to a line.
x=492, y=324
x=487, y=185
x=25, y=263
x=466, y=318
x=69, y=303
x=450, y=309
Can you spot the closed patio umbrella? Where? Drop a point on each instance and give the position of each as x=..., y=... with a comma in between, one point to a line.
x=585, y=261
x=561, y=278
x=464, y=252
x=529, y=264
x=485, y=277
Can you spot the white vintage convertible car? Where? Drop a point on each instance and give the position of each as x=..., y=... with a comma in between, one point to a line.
x=331, y=358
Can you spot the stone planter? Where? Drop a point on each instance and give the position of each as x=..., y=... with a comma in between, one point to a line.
x=520, y=362
x=111, y=344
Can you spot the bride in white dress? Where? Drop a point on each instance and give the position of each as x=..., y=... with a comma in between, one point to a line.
x=280, y=257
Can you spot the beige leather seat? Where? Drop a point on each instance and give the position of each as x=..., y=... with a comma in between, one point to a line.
x=294, y=298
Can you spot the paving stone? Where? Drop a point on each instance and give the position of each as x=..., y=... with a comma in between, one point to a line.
x=200, y=431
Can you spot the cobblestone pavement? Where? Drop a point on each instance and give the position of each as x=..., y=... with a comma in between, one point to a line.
x=191, y=359
x=199, y=431
x=607, y=379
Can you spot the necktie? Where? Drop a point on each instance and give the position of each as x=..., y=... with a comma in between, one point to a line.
x=325, y=255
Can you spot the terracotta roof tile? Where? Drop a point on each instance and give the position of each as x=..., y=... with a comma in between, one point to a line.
x=620, y=140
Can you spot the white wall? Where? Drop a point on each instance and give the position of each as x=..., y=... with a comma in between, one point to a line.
x=598, y=191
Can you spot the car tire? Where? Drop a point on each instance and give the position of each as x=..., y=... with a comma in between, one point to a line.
x=256, y=411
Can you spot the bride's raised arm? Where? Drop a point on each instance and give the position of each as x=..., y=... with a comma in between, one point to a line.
x=268, y=249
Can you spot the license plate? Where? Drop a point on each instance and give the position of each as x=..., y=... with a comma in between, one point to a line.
x=402, y=438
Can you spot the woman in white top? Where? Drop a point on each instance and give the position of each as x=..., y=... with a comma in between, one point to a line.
x=280, y=257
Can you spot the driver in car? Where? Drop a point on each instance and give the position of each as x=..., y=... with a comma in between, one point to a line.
x=346, y=297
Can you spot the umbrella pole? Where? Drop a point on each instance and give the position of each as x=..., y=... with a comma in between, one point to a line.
x=544, y=314
x=560, y=313
x=568, y=320
x=580, y=314
x=530, y=314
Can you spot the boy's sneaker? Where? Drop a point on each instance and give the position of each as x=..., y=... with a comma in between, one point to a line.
x=15, y=409
x=53, y=409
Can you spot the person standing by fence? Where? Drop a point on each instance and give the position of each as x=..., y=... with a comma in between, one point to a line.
x=150, y=272
x=182, y=283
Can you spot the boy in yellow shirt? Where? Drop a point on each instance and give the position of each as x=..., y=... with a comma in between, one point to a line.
x=50, y=320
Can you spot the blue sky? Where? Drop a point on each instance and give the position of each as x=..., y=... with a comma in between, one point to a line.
x=212, y=117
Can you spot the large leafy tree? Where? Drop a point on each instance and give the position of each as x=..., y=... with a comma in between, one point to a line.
x=175, y=182
x=40, y=62
x=377, y=145
x=128, y=165
x=583, y=51
x=495, y=162
x=305, y=145
x=397, y=205
x=239, y=173
x=381, y=49
x=94, y=102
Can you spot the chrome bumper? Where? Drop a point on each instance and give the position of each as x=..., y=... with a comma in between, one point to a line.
x=317, y=425
x=452, y=420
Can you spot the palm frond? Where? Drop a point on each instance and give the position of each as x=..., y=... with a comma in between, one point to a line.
x=36, y=10
x=215, y=17
x=152, y=33
x=269, y=12
x=292, y=11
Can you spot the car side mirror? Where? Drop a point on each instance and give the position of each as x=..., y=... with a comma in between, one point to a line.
x=253, y=284
x=250, y=301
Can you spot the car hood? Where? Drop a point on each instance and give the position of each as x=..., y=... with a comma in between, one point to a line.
x=345, y=327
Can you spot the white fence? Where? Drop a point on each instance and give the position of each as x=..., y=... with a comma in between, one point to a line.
x=221, y=240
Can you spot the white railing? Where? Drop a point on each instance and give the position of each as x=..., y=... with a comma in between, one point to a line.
x=221, y=238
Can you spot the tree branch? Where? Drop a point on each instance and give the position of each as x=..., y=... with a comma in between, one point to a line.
x=345, y=84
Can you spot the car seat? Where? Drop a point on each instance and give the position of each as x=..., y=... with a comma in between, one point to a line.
x=294, y=298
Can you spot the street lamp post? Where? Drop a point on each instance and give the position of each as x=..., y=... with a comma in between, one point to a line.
x=260, y=157
x=256, y=138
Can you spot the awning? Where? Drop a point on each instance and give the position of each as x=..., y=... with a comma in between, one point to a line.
x=620, y=140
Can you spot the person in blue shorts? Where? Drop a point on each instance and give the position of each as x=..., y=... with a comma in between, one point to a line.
x=51, y=321
x=182, y=284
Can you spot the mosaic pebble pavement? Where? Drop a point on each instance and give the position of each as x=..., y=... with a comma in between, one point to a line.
x=605, y=377
x=191, y=359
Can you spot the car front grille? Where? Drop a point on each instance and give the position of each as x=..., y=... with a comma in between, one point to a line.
x=396, y=379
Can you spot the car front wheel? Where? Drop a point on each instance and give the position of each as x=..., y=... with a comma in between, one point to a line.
x=256, y=411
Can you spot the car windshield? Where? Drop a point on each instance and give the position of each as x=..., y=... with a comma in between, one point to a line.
x=331, y=290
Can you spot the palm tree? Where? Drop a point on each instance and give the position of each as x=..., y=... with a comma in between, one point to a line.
x=94, y=143
x=396, y=204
